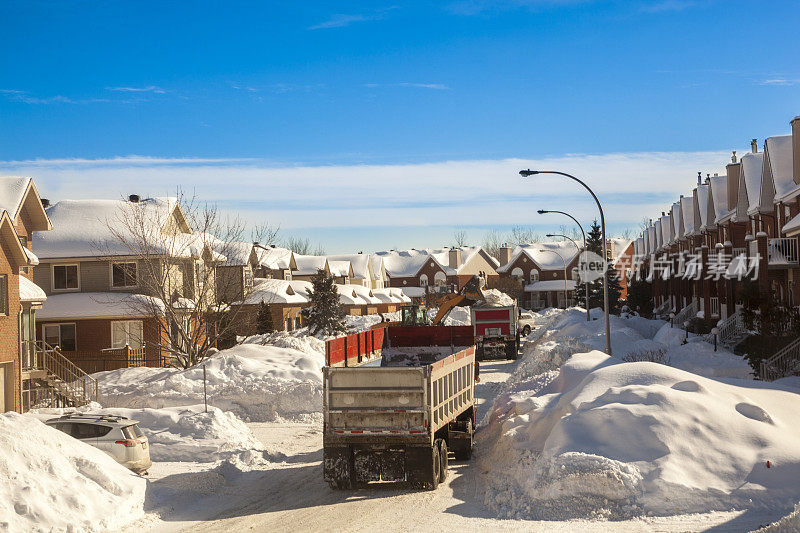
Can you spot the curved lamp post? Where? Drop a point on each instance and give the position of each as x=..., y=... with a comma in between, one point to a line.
x=579, y=253
x=542, y=212
x=565, y=270
x=528, y=173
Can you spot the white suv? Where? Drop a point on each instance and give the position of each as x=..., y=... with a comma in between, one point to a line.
x=118, y=436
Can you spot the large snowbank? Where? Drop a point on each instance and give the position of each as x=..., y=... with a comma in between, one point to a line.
x=184, y=433
x=611, y=439
x=632, y=335
x=256, y=382
x=52, y=482
x=788, y=524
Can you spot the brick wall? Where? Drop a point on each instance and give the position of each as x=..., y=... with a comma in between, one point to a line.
x=9, y=325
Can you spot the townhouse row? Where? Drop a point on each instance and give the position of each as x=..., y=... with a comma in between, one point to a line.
x=730, y=230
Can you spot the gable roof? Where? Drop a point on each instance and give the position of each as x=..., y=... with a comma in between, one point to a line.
x=360, y=263
x=90, y=228
x=751, y=176
x=718, y=198
x=307, y=265
x=274, y=258
x=17, y=193
x=689, y=212
x=542, y=255
x=9, y=234
x=779, y=158
x=408, y=263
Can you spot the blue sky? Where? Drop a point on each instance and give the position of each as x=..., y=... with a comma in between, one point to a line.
x=249, y=89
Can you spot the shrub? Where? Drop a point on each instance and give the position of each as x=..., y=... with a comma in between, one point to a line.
x=658, y=355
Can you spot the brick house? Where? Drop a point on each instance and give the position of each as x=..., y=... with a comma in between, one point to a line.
x=440, y=270
x=21, y=213
x=97, y=285
x=546, y=272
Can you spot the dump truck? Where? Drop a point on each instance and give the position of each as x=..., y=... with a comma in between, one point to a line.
x=496, y=331
x=397, y=417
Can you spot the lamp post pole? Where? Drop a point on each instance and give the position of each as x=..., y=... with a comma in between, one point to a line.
x=527, y=173
x=565, y=271
x=578, y=248
x=586, y=285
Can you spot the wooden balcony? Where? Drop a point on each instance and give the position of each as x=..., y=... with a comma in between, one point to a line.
x=782, y=252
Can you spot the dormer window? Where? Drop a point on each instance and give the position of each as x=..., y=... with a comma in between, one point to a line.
x=534, y=276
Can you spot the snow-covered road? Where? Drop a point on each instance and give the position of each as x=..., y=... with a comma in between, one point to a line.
x=293, y=497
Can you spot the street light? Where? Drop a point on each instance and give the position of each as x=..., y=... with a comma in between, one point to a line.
x=565, y=270
x=528, y=173
x=544, y=211
x=579, y=252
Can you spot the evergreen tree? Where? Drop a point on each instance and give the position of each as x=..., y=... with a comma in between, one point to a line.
x=640, y=297
x=594, y=243
x=326, y=313
x=264, y=319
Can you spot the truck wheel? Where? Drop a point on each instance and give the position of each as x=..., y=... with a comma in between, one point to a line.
x=511, y=349
x=479, y=353
x=436, y=469
x=526, y=331
x=443, y=461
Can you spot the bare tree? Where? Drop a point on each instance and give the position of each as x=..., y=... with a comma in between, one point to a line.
x=459, y=238
x=492, y=242
x=303, y=246
x=174, y=250
x=523, y=235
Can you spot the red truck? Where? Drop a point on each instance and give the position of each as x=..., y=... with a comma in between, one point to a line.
x=496, y=331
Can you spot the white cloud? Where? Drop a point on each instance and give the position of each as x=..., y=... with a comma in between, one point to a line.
x=449, y=193
x=785, y=82
x=148, y=89
x=341, y=20
x=435, y=86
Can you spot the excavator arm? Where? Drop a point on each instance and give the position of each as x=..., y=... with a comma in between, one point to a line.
x=470, y=294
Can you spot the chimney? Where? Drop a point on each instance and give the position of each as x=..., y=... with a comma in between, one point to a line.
x=796, y=148
x=754, y=146
x=45, y=203
x=733, y=157
x=699, y=179
x=454, y=257
x=505, y=255
x=733, y=170
x=134, y=198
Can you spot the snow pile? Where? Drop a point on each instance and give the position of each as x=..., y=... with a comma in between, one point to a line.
x=606, y=439
x=496, y=298
x=636, y=337
x=358, y=323
x=256, y=382
x=788, y=524
x=183, y=433
x=299, y=339
x=50, y=481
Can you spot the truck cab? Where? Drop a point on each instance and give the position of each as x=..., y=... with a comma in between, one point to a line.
x=414, y=315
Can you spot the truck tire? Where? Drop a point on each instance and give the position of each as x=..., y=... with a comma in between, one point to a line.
x=338, y=466
x=443, y=461
x=511, y=350
x=526, y=331
x=436, y=469
x=479, y=352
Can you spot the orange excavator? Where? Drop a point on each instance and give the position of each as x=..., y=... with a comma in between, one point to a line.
x=417, y=315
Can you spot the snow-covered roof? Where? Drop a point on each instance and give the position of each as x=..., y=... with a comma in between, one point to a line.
x=702, y=205
x=688, y=212
x=377, y=266
x=12, y=192
x=779, y=152
x=407, y=263
x=390, y=295
x=666, y=230
x=29, y=291
x=88, y=228
x=752, y=167
x=365, y=293
x=278, y=291
x=659, y=235
x=542, y=255
x=235, y=253
x=550, y=285
x=275, y=258
x=719, y=195
x=81, y=305
x=651, y=239
x=677, y=219
x=359, y=262
x=339, y=268
x=308, y=265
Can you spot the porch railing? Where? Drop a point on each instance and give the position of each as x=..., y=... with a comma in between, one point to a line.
x=690, y=311
x=782, y=251
x=64, y=376
x=714, y=306
x=784, y=363
x=739, y=251
x=730, y=329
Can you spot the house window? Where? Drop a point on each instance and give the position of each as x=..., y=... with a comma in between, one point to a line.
x=124, y=275
x=517, y=273
x=4, y=295
x=534, y=276
x=423, y=280
x=575, y=276
x=61, y=335
x=200, y=272
x=440, y=280
x=288, y=324
x=65, y=277
x=23, y=240
x=297, y=323
x=248, y=278
x=127, y=332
